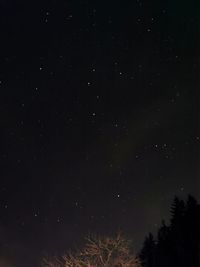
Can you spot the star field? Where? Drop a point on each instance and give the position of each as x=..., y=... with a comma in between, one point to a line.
x=99, y=120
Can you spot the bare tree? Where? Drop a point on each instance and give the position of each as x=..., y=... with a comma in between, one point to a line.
x=100, y=252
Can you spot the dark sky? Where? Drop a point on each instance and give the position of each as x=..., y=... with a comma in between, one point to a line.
x=99, y=120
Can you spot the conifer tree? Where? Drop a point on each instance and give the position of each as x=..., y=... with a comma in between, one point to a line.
x=147, y=254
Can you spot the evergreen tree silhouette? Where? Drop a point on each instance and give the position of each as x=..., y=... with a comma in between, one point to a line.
x=192, y=232
x=177, y=232
x=177, y=244
x=164, y=248
x=177, y=216
x=147, y=254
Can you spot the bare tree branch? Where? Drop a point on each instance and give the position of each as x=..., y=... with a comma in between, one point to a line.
x=100, y=252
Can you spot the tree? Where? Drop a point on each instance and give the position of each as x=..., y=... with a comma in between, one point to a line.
x=164, y=246
x=178, y=244
x=100, y=252
x=147, y=254
x=192, y=236
x=177, y=213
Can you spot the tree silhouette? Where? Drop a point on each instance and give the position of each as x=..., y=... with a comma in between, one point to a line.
x=177, y=244
x=164, y=247
x=177, y=213
x=147, y=254
x=192, y=237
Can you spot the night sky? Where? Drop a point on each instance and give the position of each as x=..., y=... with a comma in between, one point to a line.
x=99, y=120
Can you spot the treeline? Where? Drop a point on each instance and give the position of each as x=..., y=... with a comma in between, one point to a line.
x=178, y=243
x=175, y=245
